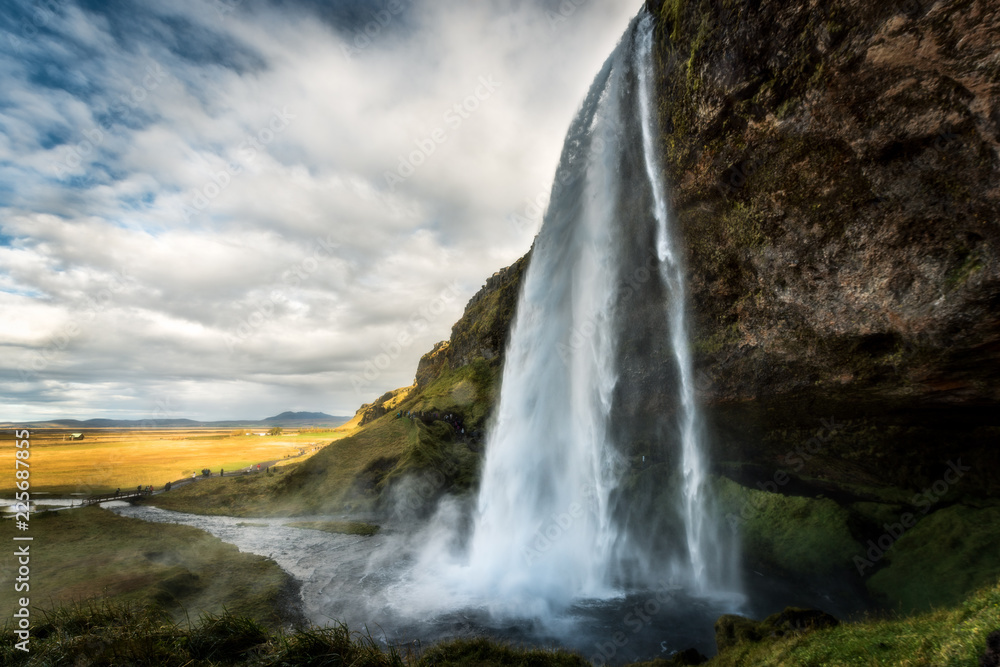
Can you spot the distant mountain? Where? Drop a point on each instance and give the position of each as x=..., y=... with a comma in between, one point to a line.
x=309, y=417
x=290, y=419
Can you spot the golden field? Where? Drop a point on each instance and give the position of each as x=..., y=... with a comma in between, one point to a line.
x=112, y=458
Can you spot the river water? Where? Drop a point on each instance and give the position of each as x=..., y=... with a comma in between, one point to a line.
x=369, y=582
x=357, y=580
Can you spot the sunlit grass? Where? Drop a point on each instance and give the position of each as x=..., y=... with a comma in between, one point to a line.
x=107, y=459
x=333, y=479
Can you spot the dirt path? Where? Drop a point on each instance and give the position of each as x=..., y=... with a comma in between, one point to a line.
x=252, y=469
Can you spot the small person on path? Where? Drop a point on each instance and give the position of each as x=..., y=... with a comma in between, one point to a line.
x=222, y=472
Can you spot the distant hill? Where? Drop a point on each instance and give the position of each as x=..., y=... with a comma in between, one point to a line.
x=289, y=419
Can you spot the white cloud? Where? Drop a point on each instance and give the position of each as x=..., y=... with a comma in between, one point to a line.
x=198, y=208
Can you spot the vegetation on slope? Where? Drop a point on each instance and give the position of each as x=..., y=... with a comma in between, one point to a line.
x=344, y=475
x=118, y=634
x=946, y=637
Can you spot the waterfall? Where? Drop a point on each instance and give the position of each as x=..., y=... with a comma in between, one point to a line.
x=545, y=527
x=700, y=533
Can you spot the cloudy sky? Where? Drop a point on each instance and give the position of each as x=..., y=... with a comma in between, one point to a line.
x=225, y=209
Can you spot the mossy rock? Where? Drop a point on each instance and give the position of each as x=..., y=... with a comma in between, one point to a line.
x=732, y=630
x=796, y=535
x=948, y=554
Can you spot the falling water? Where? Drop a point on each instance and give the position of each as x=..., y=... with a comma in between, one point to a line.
x=695, y=501
x=545, y=528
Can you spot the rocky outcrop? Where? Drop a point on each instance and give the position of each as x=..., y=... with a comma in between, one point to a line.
x=432, y=364
x=835, y=172
x=732, y=630
x=482, y=331
x=369, y=412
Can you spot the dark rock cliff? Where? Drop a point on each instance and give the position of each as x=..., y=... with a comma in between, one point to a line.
x=835, y=171
x=837, y=178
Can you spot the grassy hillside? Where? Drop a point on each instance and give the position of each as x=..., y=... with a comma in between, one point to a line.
x=337, y=477
x=360, y=471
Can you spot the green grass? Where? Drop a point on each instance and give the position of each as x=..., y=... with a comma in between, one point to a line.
x=470, y=390
x=89, y=553
x=119, y=634
x=341, y=527
x=237, y=495
x=948, y=637
x=347, y=474
x=489, y=653
x=434, y=456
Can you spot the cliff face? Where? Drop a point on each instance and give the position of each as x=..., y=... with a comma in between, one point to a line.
x=835, y=172
x=835, y=177
x=482, y=332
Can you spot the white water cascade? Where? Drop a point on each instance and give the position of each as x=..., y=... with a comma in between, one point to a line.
x=699, y=525
x=546, y=526
x=543, y=532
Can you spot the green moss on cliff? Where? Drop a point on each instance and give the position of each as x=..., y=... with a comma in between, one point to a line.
x=937, y=562
x=803, y=536
x=470, y=390
x=482, y=331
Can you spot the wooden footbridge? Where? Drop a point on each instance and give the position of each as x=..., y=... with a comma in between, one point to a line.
x=122, y=495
